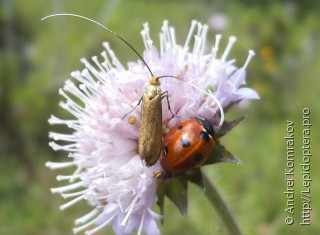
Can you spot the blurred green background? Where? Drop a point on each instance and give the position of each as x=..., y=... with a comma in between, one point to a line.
x=36, y=57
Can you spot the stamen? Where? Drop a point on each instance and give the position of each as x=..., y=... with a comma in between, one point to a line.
x=59, y=165
x=69, y=147
x=78, y=229
x=95, y=59
x=65, y=137
x=173, y=37
x=78, y=110
x=162, y=43
x=144, y=39
x=193, y=25
x=77, y=75
x=196, y=46
x=53, y=120
x=67, y=177
x=106, y=63
x=218, y=38
x=85, y=91
x=166, y=36
x=68, y=195
x=128, y=211
x=76, y=174
x=96, y=229
x=251, y=54
x=71, y=88
x=141, y=223
x=203, y=38
x=114, y=59
x=66, y=188
x=72, y=202
x=92, y=69
x=231, y=41
x=86, y=217
x=87, y=76
x=249, y=57
x=200, y=39
x=65, y=105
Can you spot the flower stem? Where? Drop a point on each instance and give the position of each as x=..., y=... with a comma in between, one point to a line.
x=221, y=207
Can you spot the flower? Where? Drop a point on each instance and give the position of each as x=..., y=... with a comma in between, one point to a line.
x=103, y=146
x=218, y=21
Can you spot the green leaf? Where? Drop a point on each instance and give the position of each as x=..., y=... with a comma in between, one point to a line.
x=228, y=126
x=196, y=178
x=177, y=191
x=221, y=154
x=160, y=196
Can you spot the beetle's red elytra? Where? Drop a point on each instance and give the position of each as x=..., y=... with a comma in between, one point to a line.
x=187, y=145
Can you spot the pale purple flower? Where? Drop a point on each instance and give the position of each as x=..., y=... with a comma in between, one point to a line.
x=218, y=21
x=103, y=146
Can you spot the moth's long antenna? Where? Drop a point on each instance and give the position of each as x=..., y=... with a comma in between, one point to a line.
x=101, y=25
x=122, y=39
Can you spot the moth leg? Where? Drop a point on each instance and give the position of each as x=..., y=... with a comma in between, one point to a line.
x=133, y=108
x=165, y=95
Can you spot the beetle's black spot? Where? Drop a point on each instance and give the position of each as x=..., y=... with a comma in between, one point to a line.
x=207, y=126
x=185, y=142
x=204, y=135
x=180, y=127
x=198, y=157
x=165, y=149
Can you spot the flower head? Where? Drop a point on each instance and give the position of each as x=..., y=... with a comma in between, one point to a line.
x=218, y=21
x=110, y=175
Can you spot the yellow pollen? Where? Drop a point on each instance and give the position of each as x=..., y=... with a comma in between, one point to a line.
x=157, y=175
x=132, y=120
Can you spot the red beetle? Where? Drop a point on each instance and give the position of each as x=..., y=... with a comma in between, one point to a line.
x=187, y=145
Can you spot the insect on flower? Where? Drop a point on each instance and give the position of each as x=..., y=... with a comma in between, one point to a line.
x=110, y=176
x=150, y=132
x=187, y=145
